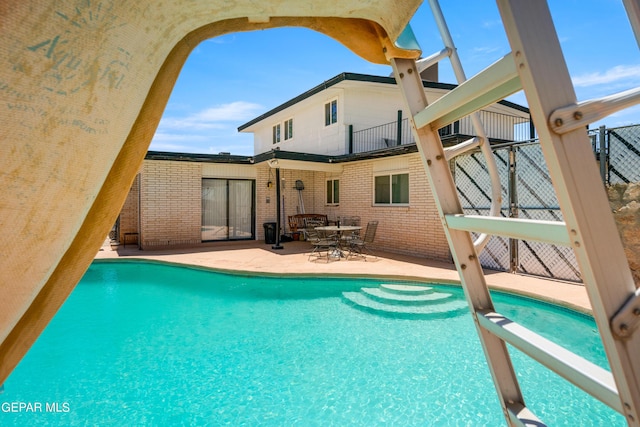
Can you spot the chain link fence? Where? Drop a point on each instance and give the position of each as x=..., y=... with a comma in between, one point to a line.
x=619, y=150
x=527, y=192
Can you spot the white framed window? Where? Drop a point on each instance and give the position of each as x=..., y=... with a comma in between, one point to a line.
x=288, y=129
x=276, y=133
x=333, y=191
x=391, y=189
x=331, y=112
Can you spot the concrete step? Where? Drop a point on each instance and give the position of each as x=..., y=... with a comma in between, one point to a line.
x=443, y=310
x=406, y=289
x=410, y=298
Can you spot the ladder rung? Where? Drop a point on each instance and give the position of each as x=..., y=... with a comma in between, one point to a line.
x=554, y=232
x=589, y=377
x=490, y=85
x=461, y=148
x=579, y=115
x=427, y=62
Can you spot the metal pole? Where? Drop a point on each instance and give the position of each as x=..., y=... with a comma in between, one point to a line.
x=350, y=139
x=532, y=129
x=399, y=128
x=278, y=186
x=603, y=153
x=513, y=207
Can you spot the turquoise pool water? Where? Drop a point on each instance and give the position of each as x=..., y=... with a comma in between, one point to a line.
x=148, y=344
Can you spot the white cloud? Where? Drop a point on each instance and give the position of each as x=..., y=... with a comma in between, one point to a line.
x=163, y=146
x=613, y=75
x=485, y=50
x=211, y=130
x=218, y=117
x=163, y=137
x=492, y=23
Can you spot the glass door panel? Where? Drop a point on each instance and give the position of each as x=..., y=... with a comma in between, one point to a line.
x=214, y=209
x=240, y=209
x=228, y=210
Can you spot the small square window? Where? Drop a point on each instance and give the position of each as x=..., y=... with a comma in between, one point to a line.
x=391, y=189
x=288, y=129
x=333, y=191
x=331, y=112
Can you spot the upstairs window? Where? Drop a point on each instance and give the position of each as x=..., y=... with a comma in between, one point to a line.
x=331, y=112
x=333, y=191
x=288, y=129
x=391, y=189
x=276, y=133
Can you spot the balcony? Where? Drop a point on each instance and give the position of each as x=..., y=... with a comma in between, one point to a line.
x=499, y=128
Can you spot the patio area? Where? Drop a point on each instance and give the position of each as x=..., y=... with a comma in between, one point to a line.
x=258, y=257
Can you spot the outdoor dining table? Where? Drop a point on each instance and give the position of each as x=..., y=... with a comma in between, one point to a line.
x=339, y=230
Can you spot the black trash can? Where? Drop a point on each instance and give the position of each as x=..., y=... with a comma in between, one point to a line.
x=269, y=233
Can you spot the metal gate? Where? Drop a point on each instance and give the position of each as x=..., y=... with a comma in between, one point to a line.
x=527, y=192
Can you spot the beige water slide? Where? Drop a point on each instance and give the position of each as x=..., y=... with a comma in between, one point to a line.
x=83, y=84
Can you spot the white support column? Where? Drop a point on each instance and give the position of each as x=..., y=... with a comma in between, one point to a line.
x=580, y=192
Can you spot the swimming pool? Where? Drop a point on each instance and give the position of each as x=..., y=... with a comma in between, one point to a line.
x=152, y=344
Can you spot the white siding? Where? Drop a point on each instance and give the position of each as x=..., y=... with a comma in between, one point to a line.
x=361, y=104
x=310, y=135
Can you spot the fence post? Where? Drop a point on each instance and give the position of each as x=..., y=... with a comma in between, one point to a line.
x=513, y=208
x=532, y=129
x=603, y=154
x=350, y=139
x=399, y=128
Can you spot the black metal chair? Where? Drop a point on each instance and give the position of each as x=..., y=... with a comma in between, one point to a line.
x=323, y=243
x=362, y=246
x=348, y=236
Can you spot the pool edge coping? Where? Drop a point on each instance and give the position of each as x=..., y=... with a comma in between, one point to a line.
x=419, y=279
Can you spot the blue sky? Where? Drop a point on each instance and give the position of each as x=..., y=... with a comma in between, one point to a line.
x=231, y=79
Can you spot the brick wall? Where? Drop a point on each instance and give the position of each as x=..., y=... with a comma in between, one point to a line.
x=171, y=203
x=170, y=200
x=414, y=230
x=266, y=196
x=129, y=215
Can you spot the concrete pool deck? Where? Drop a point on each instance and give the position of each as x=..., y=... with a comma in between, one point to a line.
x=258, y=257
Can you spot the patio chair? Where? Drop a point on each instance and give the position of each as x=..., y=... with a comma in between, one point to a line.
x=350, y=220
x=362, y=246
x=323, y=243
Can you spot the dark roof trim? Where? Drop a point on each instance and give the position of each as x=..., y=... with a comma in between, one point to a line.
x=343, y=158
x=204, y=158
x=327, y=84
x=354, y=157
x=358, y=78
x=292, y=155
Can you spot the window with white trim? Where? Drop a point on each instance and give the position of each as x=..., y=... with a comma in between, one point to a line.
x=288, y=129
x=331, y=112
x=391, y=189
x=333, y=191
x=276, y=133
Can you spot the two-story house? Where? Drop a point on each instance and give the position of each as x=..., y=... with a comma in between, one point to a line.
x=347, y=142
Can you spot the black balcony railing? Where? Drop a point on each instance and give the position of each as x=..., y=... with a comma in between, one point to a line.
x=499, y=127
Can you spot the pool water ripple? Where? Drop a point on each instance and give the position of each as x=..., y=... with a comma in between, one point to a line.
x=150, y=344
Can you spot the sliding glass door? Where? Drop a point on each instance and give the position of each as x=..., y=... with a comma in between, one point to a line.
x=228, y=209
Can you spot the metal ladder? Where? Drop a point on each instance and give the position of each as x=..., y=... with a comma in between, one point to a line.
x=536, y=64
